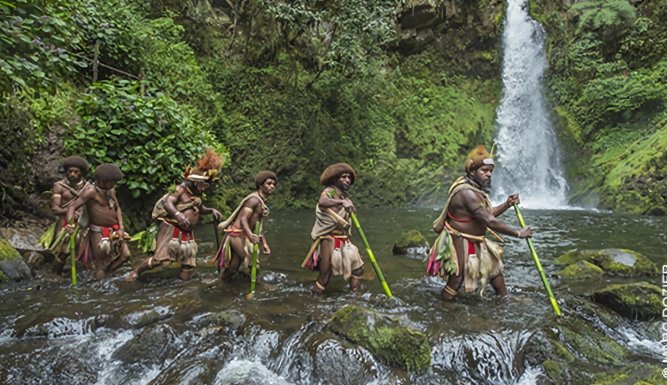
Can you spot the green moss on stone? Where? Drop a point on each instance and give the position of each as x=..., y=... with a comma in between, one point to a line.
x=581, y=269
x=7, y=251
x=618, y=262
x=640, y=300
x=410, y=238
x=585, y=341
x=394, y=344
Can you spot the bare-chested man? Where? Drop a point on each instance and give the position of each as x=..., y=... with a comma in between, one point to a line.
x=461, y=253
x=332, y=253
x=65, y=191
x=177, y=213
x=239, y=237
x=105, y=238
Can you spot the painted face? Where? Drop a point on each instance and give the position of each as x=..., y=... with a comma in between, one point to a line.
x=344, y=181
x=268, y=187
x=105, y=184
x=483, y=175
x=73, y=175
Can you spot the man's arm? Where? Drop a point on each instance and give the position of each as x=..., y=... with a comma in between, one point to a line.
x=247, y=211
x=119, y=212
x=501, y=208
x=327, y=201
x=83, y=197
x=170, y=207
x=474, y=204
x=210, y=210
x=56, y=200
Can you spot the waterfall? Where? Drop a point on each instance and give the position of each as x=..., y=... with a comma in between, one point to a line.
x=526, y=147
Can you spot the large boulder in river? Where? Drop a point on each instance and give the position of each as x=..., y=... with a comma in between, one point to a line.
x=384, y=337
x=581, y=270
x=618, y=262
x=411, y=242
x=12, y=266
x=639, y=300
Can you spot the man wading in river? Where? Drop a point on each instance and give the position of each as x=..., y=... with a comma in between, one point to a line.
x=461, y=252
x=105, y=238
x=177, y=213
x=239, y=235
x=332, y=253
x=65, y=191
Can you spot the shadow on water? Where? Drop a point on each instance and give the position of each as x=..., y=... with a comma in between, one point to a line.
x=164, y=331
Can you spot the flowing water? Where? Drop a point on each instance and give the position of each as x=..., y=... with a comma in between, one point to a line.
x=164, y=331
x=527, y=149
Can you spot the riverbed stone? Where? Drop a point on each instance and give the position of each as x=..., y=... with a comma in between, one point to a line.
x=636, y=374
x=615, y=262
x=153, y=345
x=384, y=337
x=581, y=270
x=23, y=239
x=570, y=348
x=12, y=266
x=638, y=300
x=410, y=239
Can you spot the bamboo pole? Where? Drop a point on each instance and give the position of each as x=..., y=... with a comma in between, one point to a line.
x=371, y=257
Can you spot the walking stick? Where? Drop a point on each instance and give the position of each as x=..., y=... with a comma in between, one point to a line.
x=253, y=268
x=215, y=231
x=374, y=263
x=72, y=256
x=538, y=265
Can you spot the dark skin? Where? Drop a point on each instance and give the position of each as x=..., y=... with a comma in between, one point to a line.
x=186, y=220
x=62, y=198
x=336, y=203
x=246, y=221
x=100, y=214
x=470, y=204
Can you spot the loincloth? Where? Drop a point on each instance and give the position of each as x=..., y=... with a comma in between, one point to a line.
x=224, y=255
x=175, y=245
x=482, y=258
x=345, y=256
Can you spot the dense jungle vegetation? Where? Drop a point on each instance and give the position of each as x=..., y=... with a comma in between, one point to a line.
x=399, y=89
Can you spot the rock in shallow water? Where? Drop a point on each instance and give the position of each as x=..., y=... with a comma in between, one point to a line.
x=616, y=262
x=639, y=300
x=12, y=266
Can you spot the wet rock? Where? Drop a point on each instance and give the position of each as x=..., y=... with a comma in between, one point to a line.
x=411, y=239
x=616, y=262
x=12, y=266
x=638, y=375
x=581, y=270
x=390, y=342
x=344, y=365
x=572, y=348
x=639, y=300
x=23, y=239
x=243, y=372
x=192, y=371
x=153, y=345
x=232, y=318
x=147, y=317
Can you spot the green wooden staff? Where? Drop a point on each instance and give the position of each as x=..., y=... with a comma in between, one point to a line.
x=554, y=304
x=376, y=267
x=253, y=268
x=72, y=255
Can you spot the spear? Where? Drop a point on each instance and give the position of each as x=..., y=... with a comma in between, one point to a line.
x=376, y=267
x=538, y=265
x=253, y=268
x=72, y=256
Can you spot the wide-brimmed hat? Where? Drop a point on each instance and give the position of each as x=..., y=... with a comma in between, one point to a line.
x=108, y=171
x=333, y=171
x=76, y=161
x=263, y=175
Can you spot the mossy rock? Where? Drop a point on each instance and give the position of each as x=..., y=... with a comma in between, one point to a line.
x=390, y=342
x=409, y=239
x=635, y=375
x=581, y=270
x=572, y=348
x=616, y=262
x=640, y=300
x=12, y=266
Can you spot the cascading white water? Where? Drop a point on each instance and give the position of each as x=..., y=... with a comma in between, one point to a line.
x=526, y=147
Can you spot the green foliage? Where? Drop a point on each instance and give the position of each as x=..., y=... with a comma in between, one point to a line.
x=152, y=137
x=604, y=14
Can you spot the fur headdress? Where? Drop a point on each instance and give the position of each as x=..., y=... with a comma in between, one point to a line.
x=76, y=161
x=334, y=171
x=477, y=158
x=108, y=172
x=207, y=170
x=262, y=176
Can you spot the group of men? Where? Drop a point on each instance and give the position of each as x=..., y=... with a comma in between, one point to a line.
x=461, y=253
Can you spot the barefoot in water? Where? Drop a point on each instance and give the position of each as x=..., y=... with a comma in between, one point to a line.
x=133, y=276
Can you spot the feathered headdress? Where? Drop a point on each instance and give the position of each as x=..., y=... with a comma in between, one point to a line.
x=477, y=158
x=208, y=168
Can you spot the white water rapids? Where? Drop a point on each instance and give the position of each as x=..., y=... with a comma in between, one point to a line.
x=527, y=149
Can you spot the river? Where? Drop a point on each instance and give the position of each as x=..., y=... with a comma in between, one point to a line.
x=164, y=331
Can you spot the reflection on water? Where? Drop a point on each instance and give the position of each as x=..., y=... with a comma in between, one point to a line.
x=165, y=331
